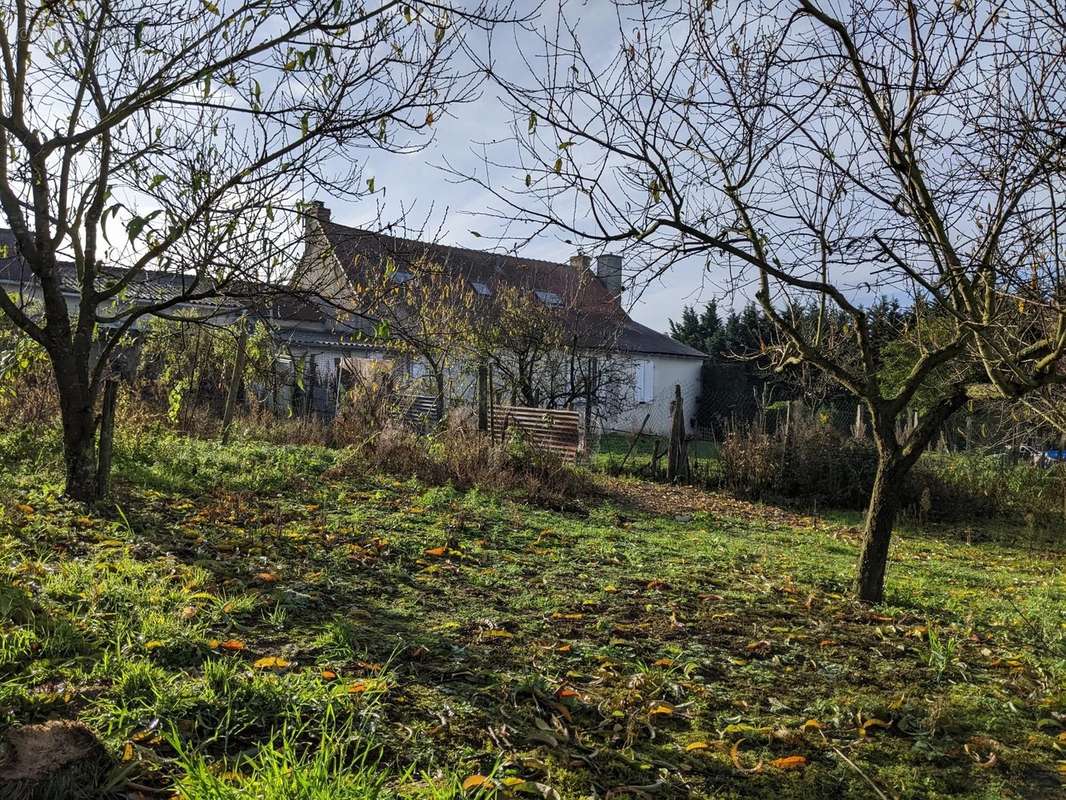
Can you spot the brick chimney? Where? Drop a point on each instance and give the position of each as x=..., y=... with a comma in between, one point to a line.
x=580, y=262
x=316, y=209
x=609, y=271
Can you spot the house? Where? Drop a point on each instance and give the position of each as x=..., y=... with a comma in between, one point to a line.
x=306, y=338
x=339, y=261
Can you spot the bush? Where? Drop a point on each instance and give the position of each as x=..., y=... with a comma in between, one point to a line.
x=818, y=466
x=463, y=457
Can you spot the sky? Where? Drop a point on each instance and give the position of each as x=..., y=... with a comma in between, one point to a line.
x=450, y=211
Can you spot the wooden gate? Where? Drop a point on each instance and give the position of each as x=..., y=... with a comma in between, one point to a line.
x=420, y=410
x=557, y=430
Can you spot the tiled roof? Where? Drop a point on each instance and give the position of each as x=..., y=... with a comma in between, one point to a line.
x=588, y=303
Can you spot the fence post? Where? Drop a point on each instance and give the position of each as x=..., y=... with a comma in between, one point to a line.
x=590, y=393
x=311, y=381
x=482, y=397
x=235, y=381
x=107, y=438
x=677, y=463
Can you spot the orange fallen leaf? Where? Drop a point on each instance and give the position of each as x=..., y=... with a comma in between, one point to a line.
x=271, y=662
x=476, y=782
x=789, y=762
x=25, y=509
x=267, y=577
x=329, y=675
x=232, y=645
x=564, y=648
x=565, y=692
x=436, y=552
x=663, y=662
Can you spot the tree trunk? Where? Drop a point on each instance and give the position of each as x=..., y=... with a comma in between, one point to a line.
x=107, y=438
x=438, y=401
x=880, y=517
x=79, y=440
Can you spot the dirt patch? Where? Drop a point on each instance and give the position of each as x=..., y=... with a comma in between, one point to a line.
x=668, y=500
x=32, y=752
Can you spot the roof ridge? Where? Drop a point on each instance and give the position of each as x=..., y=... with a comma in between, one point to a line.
x=456, y=247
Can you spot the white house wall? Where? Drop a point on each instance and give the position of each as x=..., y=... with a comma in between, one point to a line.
x=668, y=372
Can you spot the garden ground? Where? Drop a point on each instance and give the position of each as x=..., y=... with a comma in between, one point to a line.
x=260, y=619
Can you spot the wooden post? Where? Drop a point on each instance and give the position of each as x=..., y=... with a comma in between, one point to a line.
x=482, y=397
x=107, y=438
x=633, y=443
x=677, y=463
x=310, y=379
x=235, y=381
x=590, y=396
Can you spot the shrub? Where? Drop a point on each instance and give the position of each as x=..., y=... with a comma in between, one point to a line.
x=461, y=456
x=819, y=466
x=815, y=465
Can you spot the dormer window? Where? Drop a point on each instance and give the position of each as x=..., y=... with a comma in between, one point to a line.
x=481, y=288
x=548, y=298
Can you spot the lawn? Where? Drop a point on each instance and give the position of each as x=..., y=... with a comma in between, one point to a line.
x=254, y=620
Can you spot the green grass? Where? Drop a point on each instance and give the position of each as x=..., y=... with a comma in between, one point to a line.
x=610, y=650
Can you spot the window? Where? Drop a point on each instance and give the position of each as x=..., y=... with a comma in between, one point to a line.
x=401, y=277
x=481, y=288
x=418, y=370
x=644, y=381
x=548, y=298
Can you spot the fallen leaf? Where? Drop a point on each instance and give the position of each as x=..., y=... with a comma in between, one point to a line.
x=436, y=552
x=789, y=762
x=734, y=754
x=498, y=634
x=873, y=723
x=565, y=692
x=695, y=746
x=329, y=675
x=476, y=782
x=25, y=509
x=371, y=684
x=663, y=709
x=153, y=644
x=564, y=648
x=663, y=662
x=232, y=645
x=271, y=662
x=811, y=724
x=267, y=577
x=189, y=612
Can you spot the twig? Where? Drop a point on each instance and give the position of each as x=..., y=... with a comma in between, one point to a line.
x=861, y=774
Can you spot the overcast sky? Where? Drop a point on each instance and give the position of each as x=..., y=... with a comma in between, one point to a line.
x=451, y=210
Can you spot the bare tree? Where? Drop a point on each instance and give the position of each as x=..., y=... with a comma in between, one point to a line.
x=171, y=135
x=824, y=156
x=428, y=315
